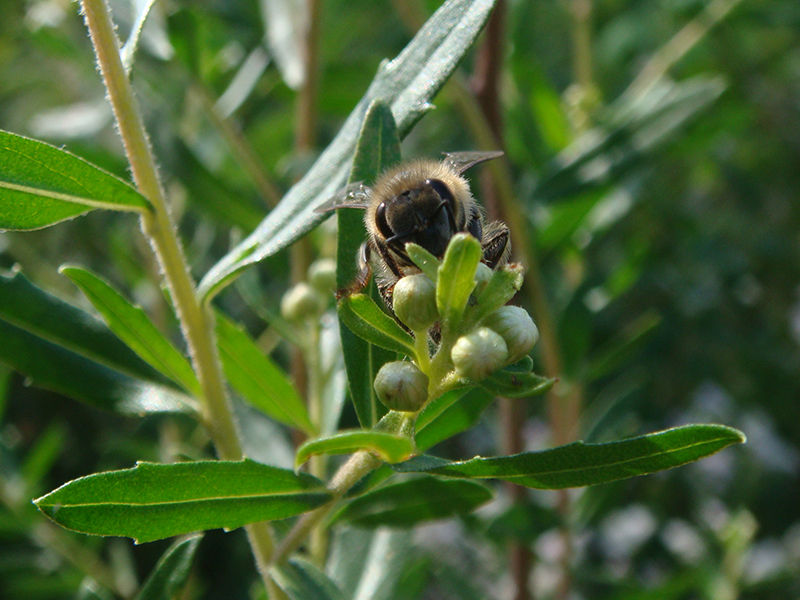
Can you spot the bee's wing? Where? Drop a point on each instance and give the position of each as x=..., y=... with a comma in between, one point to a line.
x=461, y=161
x=354, y=195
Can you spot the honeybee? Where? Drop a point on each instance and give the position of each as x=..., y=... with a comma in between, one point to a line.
x=423, y=201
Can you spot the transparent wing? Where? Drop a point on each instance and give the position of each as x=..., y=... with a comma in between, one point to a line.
x=354, y=195
x=461, y=161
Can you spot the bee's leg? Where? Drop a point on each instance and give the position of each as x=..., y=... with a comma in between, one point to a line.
x=475, y=226
x=496, y=245
x=363, y=275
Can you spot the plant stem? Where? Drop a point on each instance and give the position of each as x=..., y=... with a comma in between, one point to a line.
x=197, y=321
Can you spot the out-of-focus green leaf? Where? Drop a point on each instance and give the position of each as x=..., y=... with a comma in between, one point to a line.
x=579, y=464
x=378, y=149
x=622, y=348
x=153, y=501
x=128, y=51
x=170, y=574
x=63, y=349
x=406, y=84
x=134, y=327
x=389, y=448
x=30, y=308
x=365, y=318
x=257, y=378
x=370, y=566
x=633, y=127
x=301, y=580
x=457, y=279
x=410, y=502
x=42, y=456
x=41, y=185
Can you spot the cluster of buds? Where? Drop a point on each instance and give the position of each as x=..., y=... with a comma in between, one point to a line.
x=476, y=334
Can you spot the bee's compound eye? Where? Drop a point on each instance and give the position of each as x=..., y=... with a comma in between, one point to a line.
x=441, y=188
x=381, y=222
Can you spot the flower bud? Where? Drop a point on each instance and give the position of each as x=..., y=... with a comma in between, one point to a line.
x=516, y=327
x=414, y=302
x=479, y=354
x=302, y=302
x=322, y=274
x=400, y=385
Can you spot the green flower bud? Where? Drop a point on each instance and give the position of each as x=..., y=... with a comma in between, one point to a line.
x=414, y=302
x=516, y=327
x=402, y=386
x=479, y=354
x=322, y=274
x=302, y=302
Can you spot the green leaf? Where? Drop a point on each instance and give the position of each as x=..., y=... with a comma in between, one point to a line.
x=451, y=413
x=580, y=464
x=406, y=84
x=631, y=129
x=378, y=149
x=142, y=8
x=41, y=185
x=504, y=283
x=172, y=571
x=61, y=348
x=510, y=383
x=257, y=378
x=134, y=327
x=301, y=580
x=365, y=318
x=389, y=448
x=410, y=502
x=457, y=279
x=426, y=261
x=153, y=501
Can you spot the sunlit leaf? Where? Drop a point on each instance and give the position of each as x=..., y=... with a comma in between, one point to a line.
x=388, y=447
x=262, y=383
x=580, y=464
x=153, y=501
x=365, y=318
x=41, y=185
x=134, y=327
x=407, y=84
x=378, y=149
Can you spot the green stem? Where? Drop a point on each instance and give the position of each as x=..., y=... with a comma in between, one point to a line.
x=197, y=322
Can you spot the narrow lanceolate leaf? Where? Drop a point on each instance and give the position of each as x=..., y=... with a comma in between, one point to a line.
x=41, y=185
x=365, y=318
x=259, y=381
x=61, y=348
x=406, y=84
x=509, y=383
x=410, y=502
x=134, y=327
x=378, y=149
x=389, y=448
x=579, y=464
x=301, y=580
x=170, y=574
x=457, y=278
x=152, y=501
x=454, y=418
x=501, y=287
x=426, y=261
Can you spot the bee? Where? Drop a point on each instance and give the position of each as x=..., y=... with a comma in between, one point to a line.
x=425, y=202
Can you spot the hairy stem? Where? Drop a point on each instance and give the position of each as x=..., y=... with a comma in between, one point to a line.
x=197, y=321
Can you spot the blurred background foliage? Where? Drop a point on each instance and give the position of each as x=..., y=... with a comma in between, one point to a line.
x=654, y=154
